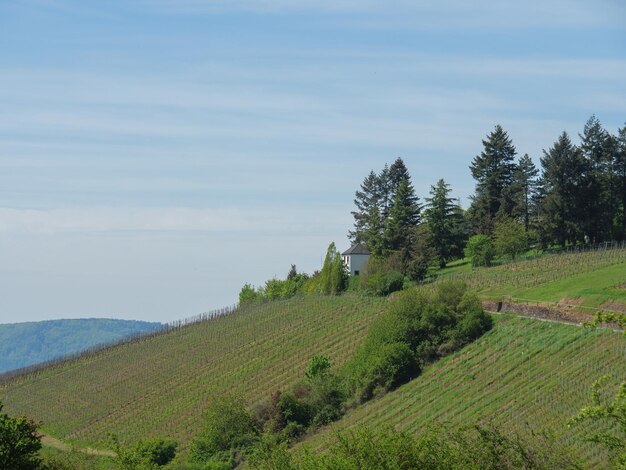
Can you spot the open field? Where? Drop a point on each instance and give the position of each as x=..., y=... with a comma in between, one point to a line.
x=161, y=385
x=523, y=375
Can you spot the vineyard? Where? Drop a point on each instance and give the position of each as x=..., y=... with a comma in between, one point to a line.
x=594, y=275
x=525, y=375
x=159, y=385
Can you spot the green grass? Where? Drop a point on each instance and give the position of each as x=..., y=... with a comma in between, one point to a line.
x=523, y=375
x=591, y=276
x=161, y=385
x=593, y=288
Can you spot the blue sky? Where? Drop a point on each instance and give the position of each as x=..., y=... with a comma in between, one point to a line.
x=155, y=155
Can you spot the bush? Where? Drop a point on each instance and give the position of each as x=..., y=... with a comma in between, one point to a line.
x=480, y=249
x=248, y=294
x=510, y=238
x=19, y=443
x=392, y=365
x=382, y=283
x=228, y=433
x=416, y=329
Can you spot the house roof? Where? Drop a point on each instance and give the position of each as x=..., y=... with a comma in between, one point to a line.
x=357, y=249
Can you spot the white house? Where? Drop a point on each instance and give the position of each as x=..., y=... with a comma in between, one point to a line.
x=355, y=258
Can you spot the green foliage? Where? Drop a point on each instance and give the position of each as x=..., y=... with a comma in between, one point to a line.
x=440, y=448
x=510, y=238
x=480, y=250
x=19, y=443
x=249, y=294
x=493, y=171
x=603, y=412
x=317, y=401
x=229, y=431
x=144, y=455
x=446, y=223
x=333, y=277
x=318, y=366
x=417, y=328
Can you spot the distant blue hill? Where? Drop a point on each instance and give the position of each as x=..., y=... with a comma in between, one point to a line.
x=25, y=344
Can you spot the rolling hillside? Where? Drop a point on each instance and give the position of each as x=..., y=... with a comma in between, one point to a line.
x=25, y=344
x=525, y=374
x=160, y=385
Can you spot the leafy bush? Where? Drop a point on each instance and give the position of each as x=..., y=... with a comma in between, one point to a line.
x=480, y=249
x=416, y=329
x=144, y=455
x=440, y=448
x=19, y=443
x=228, y=433
x=382, y=283
x=510, y=238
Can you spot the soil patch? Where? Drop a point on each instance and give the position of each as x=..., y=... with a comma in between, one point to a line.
x=543, y=312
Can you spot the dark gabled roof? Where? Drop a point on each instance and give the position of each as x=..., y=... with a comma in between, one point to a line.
x=357, y=249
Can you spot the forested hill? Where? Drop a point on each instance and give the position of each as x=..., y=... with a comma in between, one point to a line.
x=25, y=344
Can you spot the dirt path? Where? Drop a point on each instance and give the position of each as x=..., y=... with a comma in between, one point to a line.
x=50, y=441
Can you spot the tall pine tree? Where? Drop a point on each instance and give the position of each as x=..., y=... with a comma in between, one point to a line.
x=523, y=189
x=563, y=205
x=368, y=225
x=597, y=149
x=493, y=171
x=445, y=220
x=404, y=216
x=620, y=180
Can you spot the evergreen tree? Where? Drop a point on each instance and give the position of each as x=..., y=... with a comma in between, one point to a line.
x=523, y=189
x=367, y=221
x=620, y=180
x=597, y=149
x=444, y=218
x=493, y=171
x=403, y=216
x=563, y=207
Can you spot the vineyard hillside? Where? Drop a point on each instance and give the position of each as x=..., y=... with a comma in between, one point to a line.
x=525, y=376
x=160, y=385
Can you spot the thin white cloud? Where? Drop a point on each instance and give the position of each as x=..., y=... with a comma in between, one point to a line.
x=421, y=15
x=164, y=219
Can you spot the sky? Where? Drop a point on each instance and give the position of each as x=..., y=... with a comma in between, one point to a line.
x=156, y=155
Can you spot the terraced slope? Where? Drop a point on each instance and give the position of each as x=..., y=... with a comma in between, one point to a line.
x=161, y=385
x=523, y=375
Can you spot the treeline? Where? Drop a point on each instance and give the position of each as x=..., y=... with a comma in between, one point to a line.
x=578, y=195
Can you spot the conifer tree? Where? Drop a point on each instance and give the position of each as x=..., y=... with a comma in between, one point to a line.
x=620, y=180
x=523, y=189
x=444, y=218
x=403, y=216
x=493, y=171
x=597, y=149
x=563, y=206
x=367, y=221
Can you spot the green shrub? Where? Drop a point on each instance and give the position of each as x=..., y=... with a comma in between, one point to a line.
x=382, y=283
x=228, y=433
x=19, y=442
x=480, y=250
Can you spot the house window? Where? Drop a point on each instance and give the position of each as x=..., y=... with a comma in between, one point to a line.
x=356, y=272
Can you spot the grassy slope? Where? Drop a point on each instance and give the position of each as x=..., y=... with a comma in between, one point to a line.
x=524, y=374
x=159, y=386
x=594, y=277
